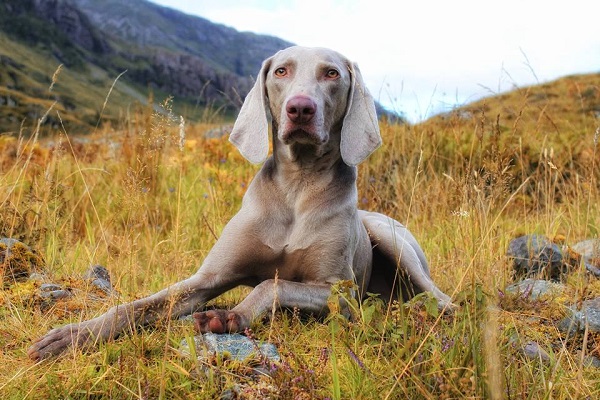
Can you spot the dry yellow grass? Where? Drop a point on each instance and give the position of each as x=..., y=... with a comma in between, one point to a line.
x=134, y=200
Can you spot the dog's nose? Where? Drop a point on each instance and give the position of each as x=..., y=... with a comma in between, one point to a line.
x=300, y=109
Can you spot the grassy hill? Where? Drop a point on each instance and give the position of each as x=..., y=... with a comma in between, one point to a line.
x=27, y=92
x=555, y=113
x=513, y=135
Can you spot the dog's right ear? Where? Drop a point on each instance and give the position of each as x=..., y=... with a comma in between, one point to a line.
x=250, y=133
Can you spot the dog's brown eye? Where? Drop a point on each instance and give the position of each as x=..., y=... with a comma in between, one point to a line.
x=333, y=73
x=280, y=72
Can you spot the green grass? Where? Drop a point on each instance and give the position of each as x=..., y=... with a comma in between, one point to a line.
x=150, y=211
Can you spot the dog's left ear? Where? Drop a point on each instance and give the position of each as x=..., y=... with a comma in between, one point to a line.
x=360, y=132
x=250, y=133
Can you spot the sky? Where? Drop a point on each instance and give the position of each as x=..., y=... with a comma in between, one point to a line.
x=422, y=57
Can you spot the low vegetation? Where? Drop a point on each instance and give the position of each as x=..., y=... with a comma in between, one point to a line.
x=148, y=200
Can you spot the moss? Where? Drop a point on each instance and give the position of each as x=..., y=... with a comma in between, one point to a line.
x=17, y=261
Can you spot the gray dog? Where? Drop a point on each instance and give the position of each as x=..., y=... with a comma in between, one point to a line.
x=298, y=222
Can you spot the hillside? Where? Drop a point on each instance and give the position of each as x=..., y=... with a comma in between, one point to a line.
x=159, y=52
x=554, y=103
x=523, y=128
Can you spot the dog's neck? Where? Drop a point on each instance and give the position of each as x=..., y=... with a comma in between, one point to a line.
x=299, y=169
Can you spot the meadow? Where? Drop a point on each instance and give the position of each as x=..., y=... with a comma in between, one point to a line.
x=148, y=195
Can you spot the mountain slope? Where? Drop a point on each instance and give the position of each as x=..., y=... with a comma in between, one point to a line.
x=159, y=27
x=162, y=51
x=552, y=106
x=555, y=124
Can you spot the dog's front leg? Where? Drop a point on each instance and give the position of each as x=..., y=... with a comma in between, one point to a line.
x=180, y=298
x=223, y=269
x=308, y=297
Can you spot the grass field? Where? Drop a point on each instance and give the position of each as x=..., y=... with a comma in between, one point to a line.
x=139, y=200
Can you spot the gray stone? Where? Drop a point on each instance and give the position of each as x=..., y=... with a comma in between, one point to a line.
x=588, y=317
x=536, y=254
x=9, y=242
x=533, y=351
x=588, y=248
x=535, y=288
x=97, y=271
x=234, y=346
x=99, y=277
x=103, y=285
x=51, y=291
x=590, y=252
x=49, y=287
x=231, y=393
x=36, y=276
x=55, y=294
x=591, y=361
x=592, y=268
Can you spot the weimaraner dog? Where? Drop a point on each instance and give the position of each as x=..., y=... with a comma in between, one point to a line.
x=299, y=230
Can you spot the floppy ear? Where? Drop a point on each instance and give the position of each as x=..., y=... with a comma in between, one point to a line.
x=360, y=132
x=250, y=133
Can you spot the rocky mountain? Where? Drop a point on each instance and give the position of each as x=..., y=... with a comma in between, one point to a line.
x=156, y=49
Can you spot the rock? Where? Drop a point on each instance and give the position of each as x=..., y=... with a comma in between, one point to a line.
x=100, y=278
x=536, y=255
x=38, y=277
x=49, y=287
x=591, y=361
x=589, y=249
x=97, y=271
x=535, y=288
x=17, y=261
x=592, y=269
x=186, y=318
x=52, y=291
x=103, y=285
x=231, y=393
x=72, y=22
x=55, y=294
x=533, y=351
x=234, y=346
x=578, y=320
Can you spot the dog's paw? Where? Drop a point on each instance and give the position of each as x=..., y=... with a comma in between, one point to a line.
x=218, y=321
x=58, y=340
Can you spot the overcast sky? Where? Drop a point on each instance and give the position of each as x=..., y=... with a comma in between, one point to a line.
x=419, y=57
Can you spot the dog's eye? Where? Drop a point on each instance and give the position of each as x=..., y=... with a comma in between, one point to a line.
x=280, y=72
x=333, y=73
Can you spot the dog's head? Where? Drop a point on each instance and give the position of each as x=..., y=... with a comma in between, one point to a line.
x=310, y=94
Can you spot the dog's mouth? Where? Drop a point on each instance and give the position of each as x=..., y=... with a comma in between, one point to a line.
x=302, y=135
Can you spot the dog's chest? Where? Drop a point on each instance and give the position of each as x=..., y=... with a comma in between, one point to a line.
x=307, y=250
